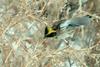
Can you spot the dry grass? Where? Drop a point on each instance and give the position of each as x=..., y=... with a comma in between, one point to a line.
x=22, y=24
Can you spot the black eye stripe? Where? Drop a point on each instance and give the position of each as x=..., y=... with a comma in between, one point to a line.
x=51, y=34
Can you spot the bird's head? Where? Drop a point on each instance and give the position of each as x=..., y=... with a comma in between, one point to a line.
x=49, y=32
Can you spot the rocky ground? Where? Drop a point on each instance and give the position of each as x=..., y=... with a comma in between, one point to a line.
x=22, y=24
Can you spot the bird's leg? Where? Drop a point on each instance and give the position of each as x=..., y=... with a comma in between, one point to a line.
x=66, y=42
x=63, y=44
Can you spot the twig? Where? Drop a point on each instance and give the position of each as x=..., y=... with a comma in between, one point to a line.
x=80, y=4
x=12, y=50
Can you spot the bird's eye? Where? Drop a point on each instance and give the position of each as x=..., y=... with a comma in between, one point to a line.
x=89, y=16
x=70, y=25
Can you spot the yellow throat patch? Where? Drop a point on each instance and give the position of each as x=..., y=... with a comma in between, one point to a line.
x=50, y=32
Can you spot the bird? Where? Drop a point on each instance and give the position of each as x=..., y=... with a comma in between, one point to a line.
x=66, y=24
x=77, y=31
